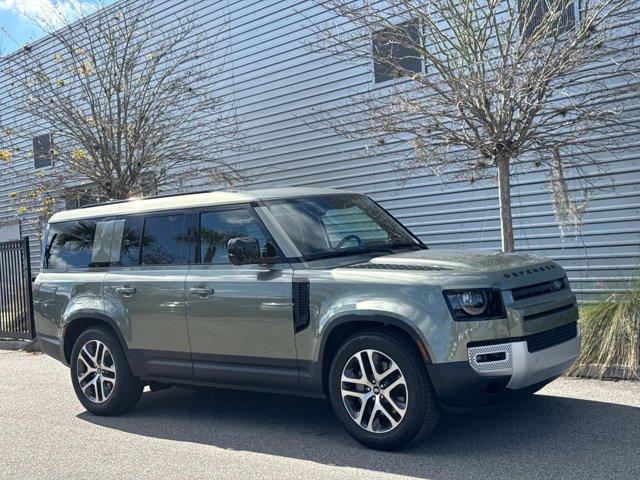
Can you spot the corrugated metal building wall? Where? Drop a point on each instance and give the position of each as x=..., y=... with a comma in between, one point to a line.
x=279, y=84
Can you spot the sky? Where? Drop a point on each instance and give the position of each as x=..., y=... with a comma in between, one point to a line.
x=21, y=20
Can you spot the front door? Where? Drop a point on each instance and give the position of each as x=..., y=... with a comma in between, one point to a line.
x=144, y=292
x=240, y=318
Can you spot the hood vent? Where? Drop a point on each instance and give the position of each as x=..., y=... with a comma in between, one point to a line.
x=394, y=266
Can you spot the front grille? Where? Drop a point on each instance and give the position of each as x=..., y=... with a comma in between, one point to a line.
x=546, y=313
x=538, y=289
x=549, y=338
x=535, y=341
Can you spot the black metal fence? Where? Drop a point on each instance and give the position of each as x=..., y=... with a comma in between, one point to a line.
x=16, y=302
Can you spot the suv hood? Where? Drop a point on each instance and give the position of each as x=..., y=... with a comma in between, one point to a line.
x=460, y=260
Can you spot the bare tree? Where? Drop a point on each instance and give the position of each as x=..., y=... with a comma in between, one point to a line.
x=131, y=103
x=485, y=87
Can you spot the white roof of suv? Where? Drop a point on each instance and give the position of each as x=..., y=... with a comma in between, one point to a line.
x=178, y=201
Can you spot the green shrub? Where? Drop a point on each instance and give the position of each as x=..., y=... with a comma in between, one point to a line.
x=611, y=335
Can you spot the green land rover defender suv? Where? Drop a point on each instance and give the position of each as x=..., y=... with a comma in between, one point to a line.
x=308, y=291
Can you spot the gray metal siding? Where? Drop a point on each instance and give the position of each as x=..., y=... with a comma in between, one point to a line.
x=279, y=84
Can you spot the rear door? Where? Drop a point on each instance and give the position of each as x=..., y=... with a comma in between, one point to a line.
x=240, y=317
x=144, y=292
x=74, y=265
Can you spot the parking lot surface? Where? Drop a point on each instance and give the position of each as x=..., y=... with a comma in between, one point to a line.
x=572, y=429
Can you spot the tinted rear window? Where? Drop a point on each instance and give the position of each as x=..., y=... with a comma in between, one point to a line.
x=164, y=241
x=70, y=244
x=130, y=245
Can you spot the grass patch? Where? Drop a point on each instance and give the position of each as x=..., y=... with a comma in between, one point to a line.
x=611, y=335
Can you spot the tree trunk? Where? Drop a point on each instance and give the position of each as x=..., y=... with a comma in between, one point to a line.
x=504, y=191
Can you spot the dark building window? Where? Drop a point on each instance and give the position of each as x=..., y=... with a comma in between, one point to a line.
x=163, y=240
x=148, y=186
x=42, y=150
x=536, y=10
x=393, y=53
x=217, y=228
x=80, y=197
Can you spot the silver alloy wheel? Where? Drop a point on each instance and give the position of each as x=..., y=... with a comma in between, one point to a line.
x=374, y=391
x=96, y=371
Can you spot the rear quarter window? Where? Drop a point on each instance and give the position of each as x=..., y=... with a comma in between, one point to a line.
x=70, y=244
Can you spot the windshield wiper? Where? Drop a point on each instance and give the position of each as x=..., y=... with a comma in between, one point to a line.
x=335, y=254
x=391, y=247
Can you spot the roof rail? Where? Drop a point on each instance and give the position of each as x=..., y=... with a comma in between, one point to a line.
x=164, y=195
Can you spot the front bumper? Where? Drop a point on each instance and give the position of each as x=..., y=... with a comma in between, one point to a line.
x=460, y=385
x=524, y=367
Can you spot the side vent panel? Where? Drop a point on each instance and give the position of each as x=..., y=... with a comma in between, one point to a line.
x=300, y=296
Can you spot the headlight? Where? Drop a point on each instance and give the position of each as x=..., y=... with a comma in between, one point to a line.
x=474, y=304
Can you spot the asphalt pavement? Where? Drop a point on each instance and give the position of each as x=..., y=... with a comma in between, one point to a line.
x=572, y=429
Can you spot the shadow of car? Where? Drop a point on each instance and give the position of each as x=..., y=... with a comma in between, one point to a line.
x=542, y=437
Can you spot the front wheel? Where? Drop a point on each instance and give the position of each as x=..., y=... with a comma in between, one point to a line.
x=101, y=375
x=380, y=390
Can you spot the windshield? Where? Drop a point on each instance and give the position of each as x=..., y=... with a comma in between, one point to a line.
x=334, y=225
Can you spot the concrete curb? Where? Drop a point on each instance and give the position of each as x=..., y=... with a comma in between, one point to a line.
x=30, y=346
x=600, y=372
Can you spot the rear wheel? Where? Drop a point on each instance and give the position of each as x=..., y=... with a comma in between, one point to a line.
x=380, y=390
x=101, y=375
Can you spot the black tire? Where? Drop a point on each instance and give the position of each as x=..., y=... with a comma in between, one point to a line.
x=422, y=410
x=127, y=388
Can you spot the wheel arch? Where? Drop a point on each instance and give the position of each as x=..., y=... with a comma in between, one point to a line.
x=348, y=324
x=82, y=321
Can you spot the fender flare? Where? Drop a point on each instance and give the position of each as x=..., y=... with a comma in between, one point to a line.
x=381, y=318
x=94, y=316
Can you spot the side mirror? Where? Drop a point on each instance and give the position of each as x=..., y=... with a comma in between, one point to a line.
x=243, y=250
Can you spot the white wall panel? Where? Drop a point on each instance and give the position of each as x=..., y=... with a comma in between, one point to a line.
x=279, y=84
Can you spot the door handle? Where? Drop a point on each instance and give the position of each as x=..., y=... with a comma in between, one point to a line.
x=125, y=290
x=201, y=291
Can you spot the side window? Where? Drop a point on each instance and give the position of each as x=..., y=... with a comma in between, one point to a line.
x=130, y=246
x=164, y=240
x=70, y=244
x=218, y=227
